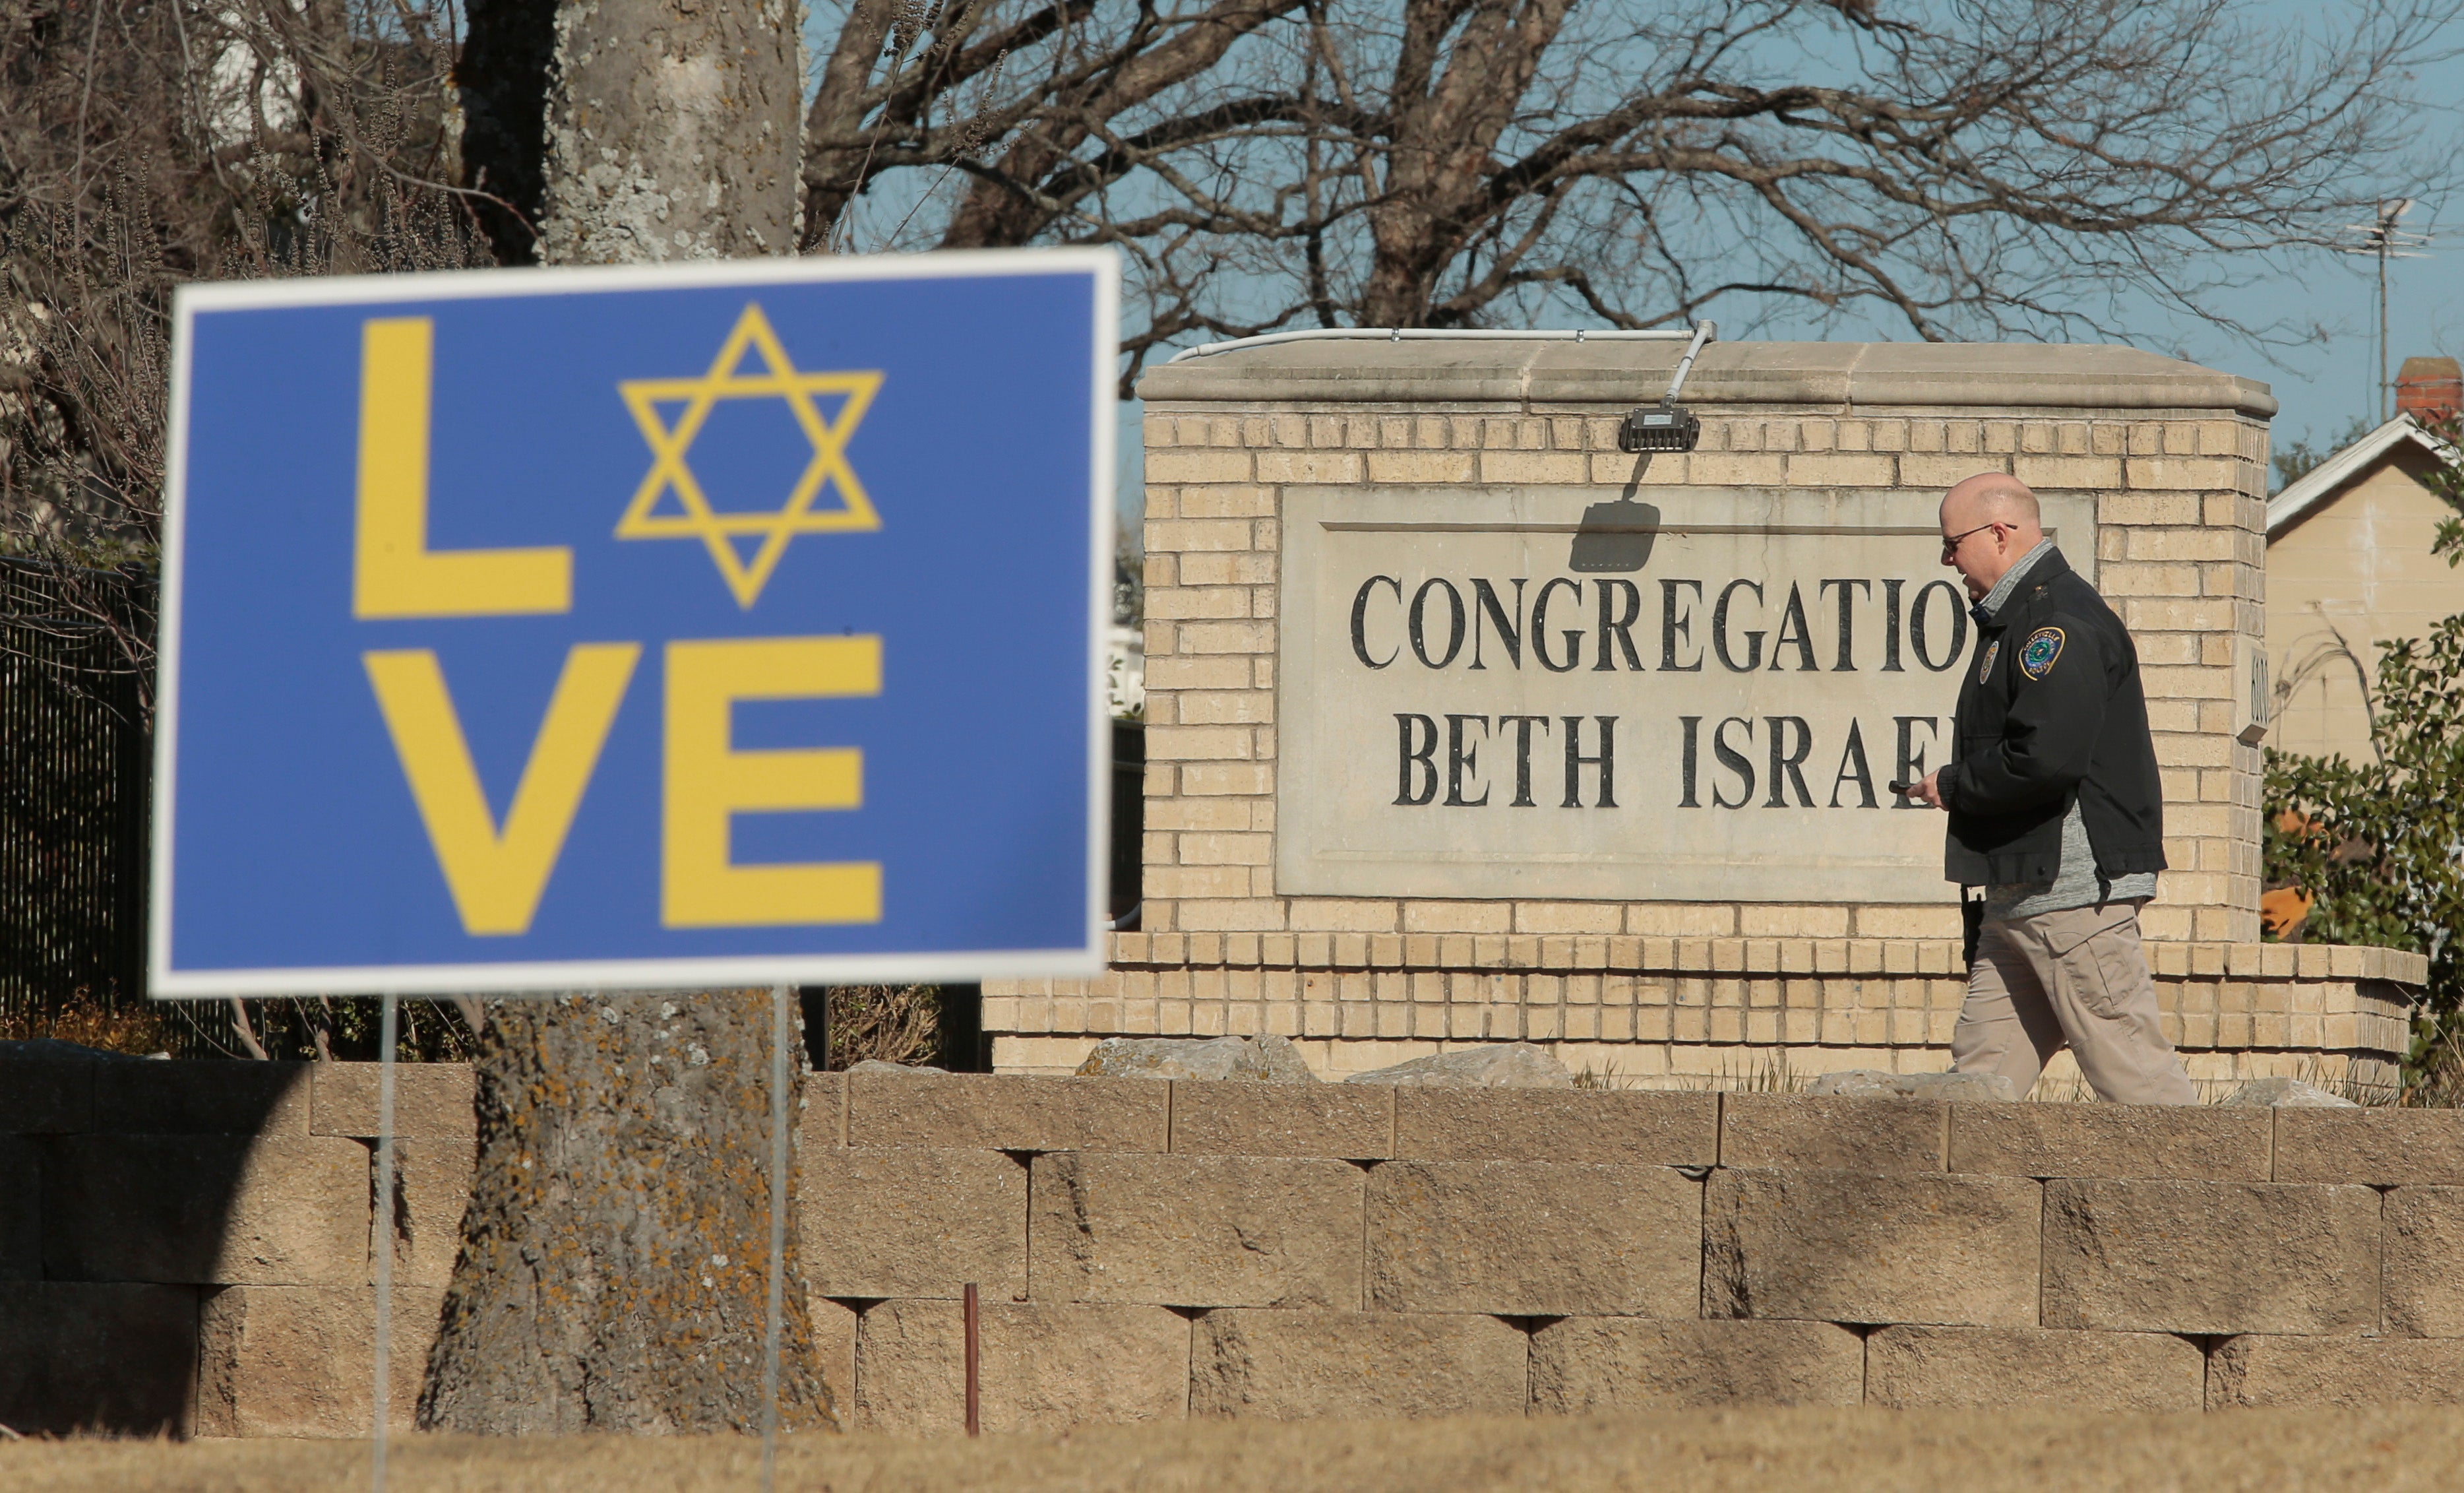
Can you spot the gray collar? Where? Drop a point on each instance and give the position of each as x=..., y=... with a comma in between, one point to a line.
x=1991, y=604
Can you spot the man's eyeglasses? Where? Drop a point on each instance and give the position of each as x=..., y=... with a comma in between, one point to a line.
x=1950, y=541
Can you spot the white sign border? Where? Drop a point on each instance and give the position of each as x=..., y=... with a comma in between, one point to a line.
x=553, y=977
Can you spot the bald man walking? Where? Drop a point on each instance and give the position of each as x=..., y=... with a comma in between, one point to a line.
x=2055, y=811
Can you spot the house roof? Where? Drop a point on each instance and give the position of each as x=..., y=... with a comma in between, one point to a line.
x=2329, y=478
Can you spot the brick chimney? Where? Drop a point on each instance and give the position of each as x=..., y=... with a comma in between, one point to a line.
x=2430, y=389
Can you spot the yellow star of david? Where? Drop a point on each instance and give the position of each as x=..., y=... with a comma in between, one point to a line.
x=670, y=471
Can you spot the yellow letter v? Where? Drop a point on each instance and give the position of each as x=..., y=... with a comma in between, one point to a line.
x=495, y=878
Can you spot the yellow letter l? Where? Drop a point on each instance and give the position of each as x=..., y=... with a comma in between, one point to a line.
x=394, y=573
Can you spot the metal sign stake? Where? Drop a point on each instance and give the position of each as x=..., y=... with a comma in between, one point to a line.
x=779, y=1036
x=381, y=1397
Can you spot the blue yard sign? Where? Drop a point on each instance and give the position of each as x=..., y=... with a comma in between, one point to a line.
x=550, y=629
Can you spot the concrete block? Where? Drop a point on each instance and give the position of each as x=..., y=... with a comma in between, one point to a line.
x=2317, y=1370
x=1041, y=1367
x=834, y=1329
x=21, y=1210
x=822, y=1125
x=268, y=1099
x=1195, y=1231
x=1911, y=1368
x=117, y=1359
x=985, y=1111
x=46, y=1096
x=290, y=1360
x=1355, y=1366
x=1282, y=1120
x=2189, y=1141
x=913, y=1221
x=1608, y=1128
x=2383, y=1147
x=206, y=1210
x=2420, y=1231
x=429, y=1098
x=1585, y=1364
x=432, y=1192
x=2211, y=1257
x=1792, y=1131
x=1523, y=1238
x=1863, y=1246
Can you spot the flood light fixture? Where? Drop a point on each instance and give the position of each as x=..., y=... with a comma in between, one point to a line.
x=1668, y=425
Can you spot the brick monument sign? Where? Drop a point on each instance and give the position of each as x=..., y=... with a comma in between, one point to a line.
x=1465, y=726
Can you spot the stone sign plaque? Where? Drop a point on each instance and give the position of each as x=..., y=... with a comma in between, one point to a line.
x=1674, y=693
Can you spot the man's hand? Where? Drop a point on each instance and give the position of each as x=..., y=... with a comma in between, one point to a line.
x=1929, y=791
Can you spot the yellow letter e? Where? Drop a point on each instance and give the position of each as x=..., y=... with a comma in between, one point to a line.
x=708, y=780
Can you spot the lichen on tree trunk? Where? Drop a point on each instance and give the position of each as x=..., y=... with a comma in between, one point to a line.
x=613, y=1270
x=674, y=130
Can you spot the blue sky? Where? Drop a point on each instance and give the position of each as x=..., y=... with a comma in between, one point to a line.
x=2325, y=373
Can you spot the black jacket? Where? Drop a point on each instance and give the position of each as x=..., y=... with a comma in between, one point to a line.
x=2050, y=709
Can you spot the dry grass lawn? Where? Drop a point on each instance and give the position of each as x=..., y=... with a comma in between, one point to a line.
x=1970, y=1451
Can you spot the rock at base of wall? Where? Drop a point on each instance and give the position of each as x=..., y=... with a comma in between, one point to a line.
x=52, y=1047
x=1874, y=1083
x=2285, y=1094
x=1499, y=1066
x=876, y=1066
x=1253, y=1059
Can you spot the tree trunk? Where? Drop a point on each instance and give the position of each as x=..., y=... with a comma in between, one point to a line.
x=501, y=78
x=673, y=132
x=614, y=1262
x=614, y=1265
x=1458, y=83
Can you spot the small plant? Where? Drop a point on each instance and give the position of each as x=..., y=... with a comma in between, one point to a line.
x=1603, y=1079
x=1761, y=1072
x=884, y=1023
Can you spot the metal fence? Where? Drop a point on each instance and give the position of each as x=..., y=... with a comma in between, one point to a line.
x=73, y=744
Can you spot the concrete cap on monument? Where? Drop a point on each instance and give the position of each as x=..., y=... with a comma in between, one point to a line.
x=705, y=624
x=1895, y=375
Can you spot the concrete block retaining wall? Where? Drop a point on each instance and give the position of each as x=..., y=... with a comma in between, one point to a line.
x=188, y=1246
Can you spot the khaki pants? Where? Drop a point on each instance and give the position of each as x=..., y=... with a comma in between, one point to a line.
x=2075, y=978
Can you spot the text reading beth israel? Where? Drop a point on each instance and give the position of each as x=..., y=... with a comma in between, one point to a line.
x=1771, y=746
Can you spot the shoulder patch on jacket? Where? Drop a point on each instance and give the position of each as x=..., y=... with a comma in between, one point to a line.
x=2037, y=653
x=1984, y=665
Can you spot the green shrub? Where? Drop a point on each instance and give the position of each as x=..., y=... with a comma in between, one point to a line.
x=2377, y=845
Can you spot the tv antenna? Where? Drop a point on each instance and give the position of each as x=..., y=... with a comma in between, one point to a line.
x=2388, y=240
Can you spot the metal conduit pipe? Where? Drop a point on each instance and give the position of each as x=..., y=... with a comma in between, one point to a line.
x=1431, y=334
x=1667, y=427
